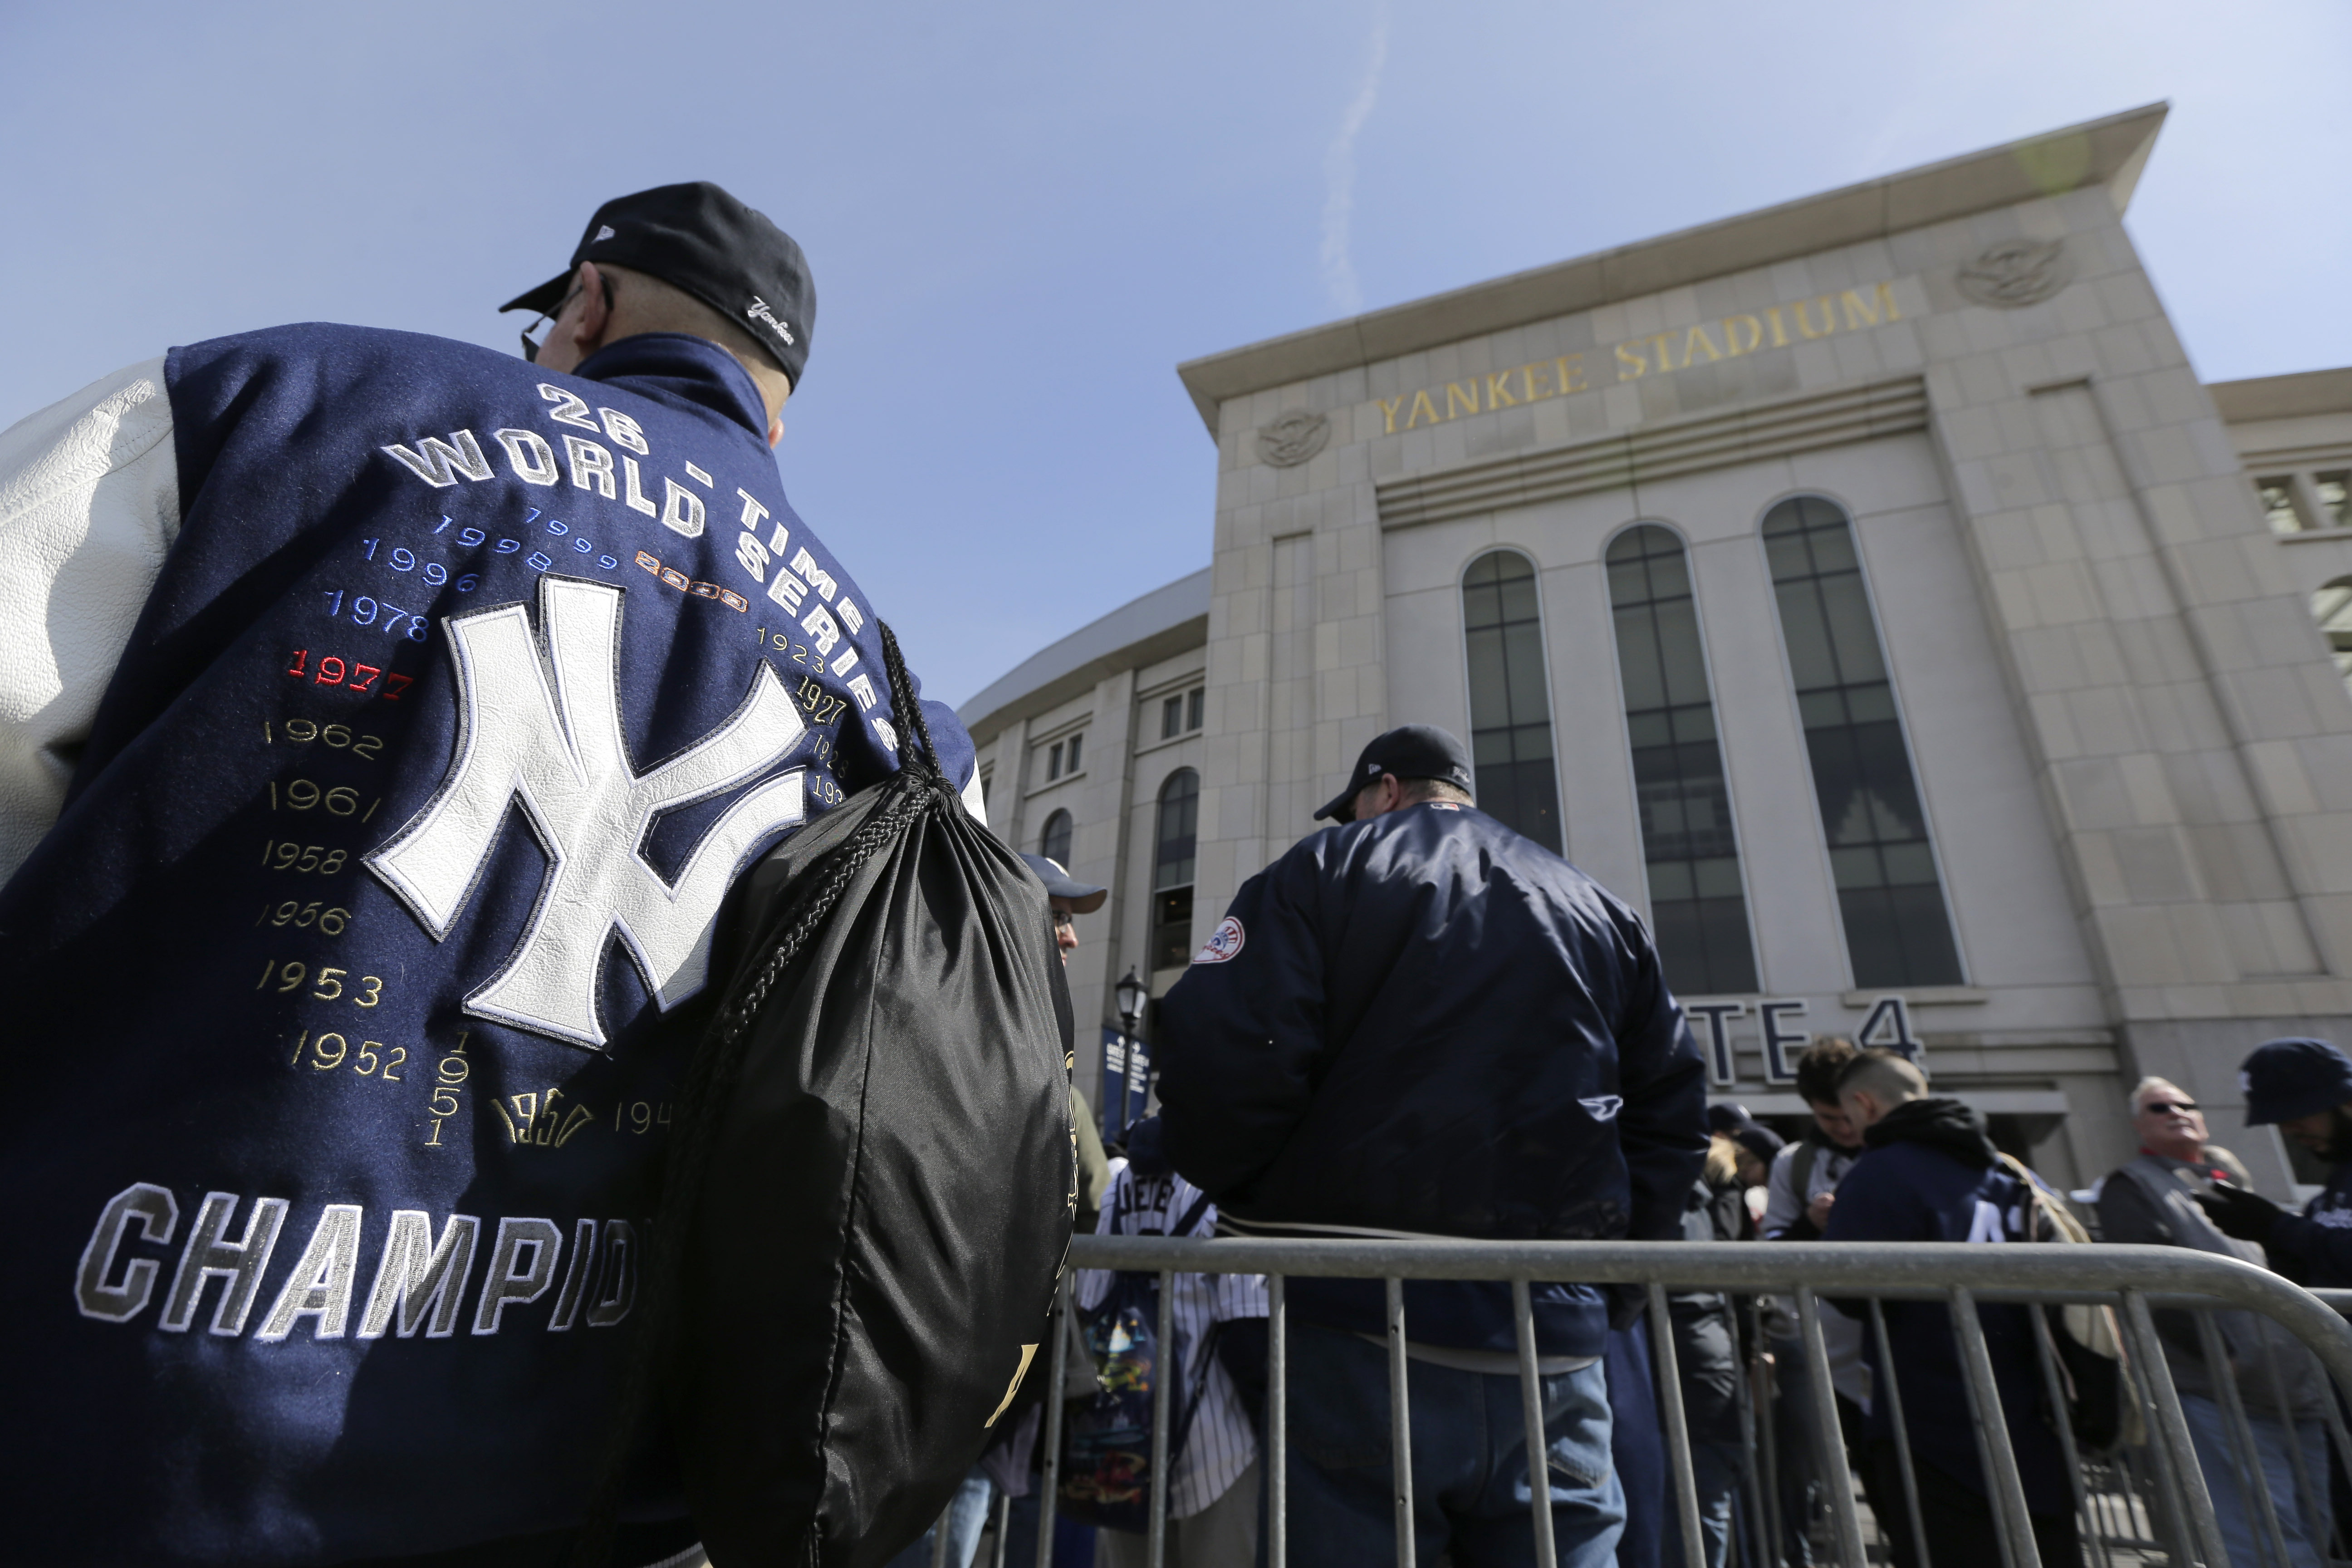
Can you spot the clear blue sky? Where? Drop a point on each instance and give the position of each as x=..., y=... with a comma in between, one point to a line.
x=1022, y=217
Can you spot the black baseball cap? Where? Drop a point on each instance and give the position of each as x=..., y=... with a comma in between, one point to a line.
x=1410, y=751
x=698, y=238
x=2285, y=1081
x=1060, y=884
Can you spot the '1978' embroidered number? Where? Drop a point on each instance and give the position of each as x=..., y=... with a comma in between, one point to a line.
x=367, y=612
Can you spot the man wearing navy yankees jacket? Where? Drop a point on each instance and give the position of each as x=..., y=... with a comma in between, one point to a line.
x=1419, y=1023
x=382, y=721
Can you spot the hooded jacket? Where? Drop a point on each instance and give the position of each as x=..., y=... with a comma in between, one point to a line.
x=1424, y=1024
x=1930, y=1173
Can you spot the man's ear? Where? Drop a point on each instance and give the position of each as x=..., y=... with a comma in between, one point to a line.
x=595, y=315
x=775, y=431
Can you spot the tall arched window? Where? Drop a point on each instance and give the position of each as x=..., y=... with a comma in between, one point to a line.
x=1054, y=844
x=2332, y=608
x=1171, y=869
x=1510, y=708
x=1696, y=902
x=1889, y=893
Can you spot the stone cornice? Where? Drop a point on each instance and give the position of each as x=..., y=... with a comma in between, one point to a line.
x=2109, y=151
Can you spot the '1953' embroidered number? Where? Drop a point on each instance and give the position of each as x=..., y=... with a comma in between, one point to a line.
x=364, y=992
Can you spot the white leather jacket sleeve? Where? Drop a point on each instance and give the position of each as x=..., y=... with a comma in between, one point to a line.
x=90, y=501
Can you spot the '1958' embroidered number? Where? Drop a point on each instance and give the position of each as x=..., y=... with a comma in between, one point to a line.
x=285, y=855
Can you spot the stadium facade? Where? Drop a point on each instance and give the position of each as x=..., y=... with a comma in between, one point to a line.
x=1867, y=588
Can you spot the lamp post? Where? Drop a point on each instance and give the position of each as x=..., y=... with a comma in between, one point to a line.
x=1132, y=995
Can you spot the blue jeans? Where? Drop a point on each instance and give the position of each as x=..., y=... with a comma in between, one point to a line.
x=1471, y=1498
x=1716, y=1467
x=2306, y=1540
x=967, y=1517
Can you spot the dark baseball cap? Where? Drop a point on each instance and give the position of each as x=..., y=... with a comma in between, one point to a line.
x=1410, y=751
x=1727, y=1116
x=2285, y=1080
x=1060, y=884
x=698, y=238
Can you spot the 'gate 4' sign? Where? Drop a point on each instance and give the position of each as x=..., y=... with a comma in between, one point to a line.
x=1888, y=1025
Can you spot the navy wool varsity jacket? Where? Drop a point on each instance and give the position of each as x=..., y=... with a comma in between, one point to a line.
x=350, y=962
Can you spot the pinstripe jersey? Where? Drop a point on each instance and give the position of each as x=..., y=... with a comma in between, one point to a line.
x=1220, y=1443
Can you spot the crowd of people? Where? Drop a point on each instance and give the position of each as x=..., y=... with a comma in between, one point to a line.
x=1934, y=1175
x=1438, y=948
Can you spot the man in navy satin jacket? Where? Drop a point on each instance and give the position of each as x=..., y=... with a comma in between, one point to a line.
x=1420, y=1023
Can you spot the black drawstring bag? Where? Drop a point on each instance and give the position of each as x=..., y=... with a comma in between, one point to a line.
x=873, y=1185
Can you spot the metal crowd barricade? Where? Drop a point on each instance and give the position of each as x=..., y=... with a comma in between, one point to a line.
x=2144, y=1506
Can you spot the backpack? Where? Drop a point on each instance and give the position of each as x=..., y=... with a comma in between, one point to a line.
x=1107, y=1443
x=2100, y=1410
x=870, y=1195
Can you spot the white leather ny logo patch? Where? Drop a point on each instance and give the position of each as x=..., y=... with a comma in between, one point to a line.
x=545, y=729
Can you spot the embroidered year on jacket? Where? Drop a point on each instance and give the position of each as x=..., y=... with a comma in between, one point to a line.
x=346, y=996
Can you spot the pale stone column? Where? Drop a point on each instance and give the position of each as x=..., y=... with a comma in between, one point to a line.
x=1098, y=855
x=2194, y=750
x=1009, y=783
x=1297, y=653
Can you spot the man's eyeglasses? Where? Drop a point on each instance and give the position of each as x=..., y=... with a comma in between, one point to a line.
x=530, y=349
x=1065, y=920
x=2166, y=1107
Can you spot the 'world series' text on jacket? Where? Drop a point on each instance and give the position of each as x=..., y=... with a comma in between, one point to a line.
x=1424, y=1024
x=348, y=992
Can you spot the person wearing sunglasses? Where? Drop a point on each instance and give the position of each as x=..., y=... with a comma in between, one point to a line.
x=2153, y=1199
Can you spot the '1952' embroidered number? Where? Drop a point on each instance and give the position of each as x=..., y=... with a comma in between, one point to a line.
x=329, y=1051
